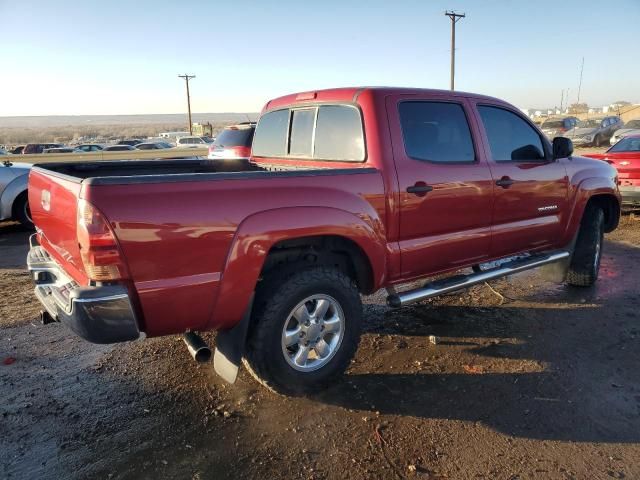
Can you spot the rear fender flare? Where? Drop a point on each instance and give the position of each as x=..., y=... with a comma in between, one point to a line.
x=258, y=233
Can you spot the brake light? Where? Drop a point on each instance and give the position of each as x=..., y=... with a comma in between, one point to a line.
x=212, y=147
x=98, y=247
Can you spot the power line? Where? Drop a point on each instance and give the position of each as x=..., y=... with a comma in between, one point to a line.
x=186, y=79
x=455, y=18
x=580, y=84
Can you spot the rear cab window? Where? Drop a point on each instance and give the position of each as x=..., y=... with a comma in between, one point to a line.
x=317, y=132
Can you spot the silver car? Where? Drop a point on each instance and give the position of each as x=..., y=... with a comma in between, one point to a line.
x=594, y=131
x=632, y=127
x=558, y=126
x=14, y=204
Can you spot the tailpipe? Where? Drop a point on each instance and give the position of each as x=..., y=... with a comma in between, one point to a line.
x=198, y=349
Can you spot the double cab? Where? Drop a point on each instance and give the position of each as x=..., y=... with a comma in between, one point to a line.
x=347, y=191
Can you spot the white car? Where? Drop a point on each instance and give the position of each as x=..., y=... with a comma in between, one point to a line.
x=632, y=127
x=193, y=142
x=14, y=203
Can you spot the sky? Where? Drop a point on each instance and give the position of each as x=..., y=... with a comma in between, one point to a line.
x=66, y=57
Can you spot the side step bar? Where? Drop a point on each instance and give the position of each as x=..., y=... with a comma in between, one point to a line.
x=458, y=282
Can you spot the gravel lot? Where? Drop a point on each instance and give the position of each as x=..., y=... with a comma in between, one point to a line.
x=531, y=380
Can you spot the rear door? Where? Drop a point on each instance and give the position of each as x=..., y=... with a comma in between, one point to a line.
x=530, y=188
x=445, y=184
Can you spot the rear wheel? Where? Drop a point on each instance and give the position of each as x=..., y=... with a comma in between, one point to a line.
x=305, y=330
x=585, y=263
x=21, y=211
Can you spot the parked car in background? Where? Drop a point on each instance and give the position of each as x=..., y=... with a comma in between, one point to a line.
x=632, y=127
x=3, y=152
x=340, y=198
x=17, y=150
x=14, y=202
x=625, y=157
x=133, y=142
x=89, y=147
x=594, y=131
x=31, y=148
x=193, y=142
x=153, y=146
x=59, y=150
x=233, y=142
x=558, y=126
x=118, y=148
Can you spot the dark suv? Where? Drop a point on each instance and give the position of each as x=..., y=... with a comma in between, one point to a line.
x=233, y=143
x=30, y=148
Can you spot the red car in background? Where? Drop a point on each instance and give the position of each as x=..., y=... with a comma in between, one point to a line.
x=625, y=157
x=233, y=143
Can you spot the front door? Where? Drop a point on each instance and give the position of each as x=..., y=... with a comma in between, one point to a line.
x=444, y=181
x=530, y=187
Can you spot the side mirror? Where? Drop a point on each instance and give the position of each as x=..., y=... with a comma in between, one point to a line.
x=562, y=147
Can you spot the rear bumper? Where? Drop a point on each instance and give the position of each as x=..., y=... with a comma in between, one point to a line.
x=101, y=314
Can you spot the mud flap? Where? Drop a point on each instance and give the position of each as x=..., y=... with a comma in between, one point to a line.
x=230, y=347
x=557, y=272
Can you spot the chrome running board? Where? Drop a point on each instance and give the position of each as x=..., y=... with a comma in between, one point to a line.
x=458, y=282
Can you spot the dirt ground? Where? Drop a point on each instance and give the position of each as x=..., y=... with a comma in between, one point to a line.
x=528, y=380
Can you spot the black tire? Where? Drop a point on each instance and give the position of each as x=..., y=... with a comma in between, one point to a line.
x=21, y=212
x=587, y=254
x=596, y=141
x=265, y=356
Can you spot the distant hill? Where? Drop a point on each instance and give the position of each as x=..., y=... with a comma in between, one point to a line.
x=86, y=120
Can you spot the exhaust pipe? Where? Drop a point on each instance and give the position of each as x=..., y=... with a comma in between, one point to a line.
x=198, y=349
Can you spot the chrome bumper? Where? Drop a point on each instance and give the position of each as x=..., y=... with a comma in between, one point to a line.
x=101, y=314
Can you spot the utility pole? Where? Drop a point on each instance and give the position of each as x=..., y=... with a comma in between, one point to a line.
x=186, y=79
x=561, y=99
x=455, y=18
x=580, y=84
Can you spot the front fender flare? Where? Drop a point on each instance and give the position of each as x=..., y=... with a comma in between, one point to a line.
x=258, y=233
x=586, y=189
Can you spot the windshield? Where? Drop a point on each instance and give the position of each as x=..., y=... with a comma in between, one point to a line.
x=627, y=144
x=589, y=123
x=230, y=137
x=553, y=124
x=632, y=124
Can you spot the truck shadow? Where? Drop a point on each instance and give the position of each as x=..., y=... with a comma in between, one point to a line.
x=558, y=363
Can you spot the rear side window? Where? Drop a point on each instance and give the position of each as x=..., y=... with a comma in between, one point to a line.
x=436, y=132
x=510, y=137
x=325, y=132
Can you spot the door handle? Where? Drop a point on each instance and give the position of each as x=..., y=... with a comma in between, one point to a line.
x=505, y=182
x=420, y=189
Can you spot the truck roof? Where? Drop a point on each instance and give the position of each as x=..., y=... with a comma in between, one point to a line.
x=350, y=94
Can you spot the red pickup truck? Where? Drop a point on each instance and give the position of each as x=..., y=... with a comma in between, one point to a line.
x=347, y=191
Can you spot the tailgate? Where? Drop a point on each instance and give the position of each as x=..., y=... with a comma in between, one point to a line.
x=53, y=201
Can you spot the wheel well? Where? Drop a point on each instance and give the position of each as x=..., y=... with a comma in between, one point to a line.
x=611, y=208
x=19, y=197
x=325, y=250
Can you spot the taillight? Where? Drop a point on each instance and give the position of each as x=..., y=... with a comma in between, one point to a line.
x=98, y=246
x=212, y=147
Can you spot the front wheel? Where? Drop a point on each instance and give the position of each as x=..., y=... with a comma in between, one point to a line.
x=305, y=330
x=585, y=262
